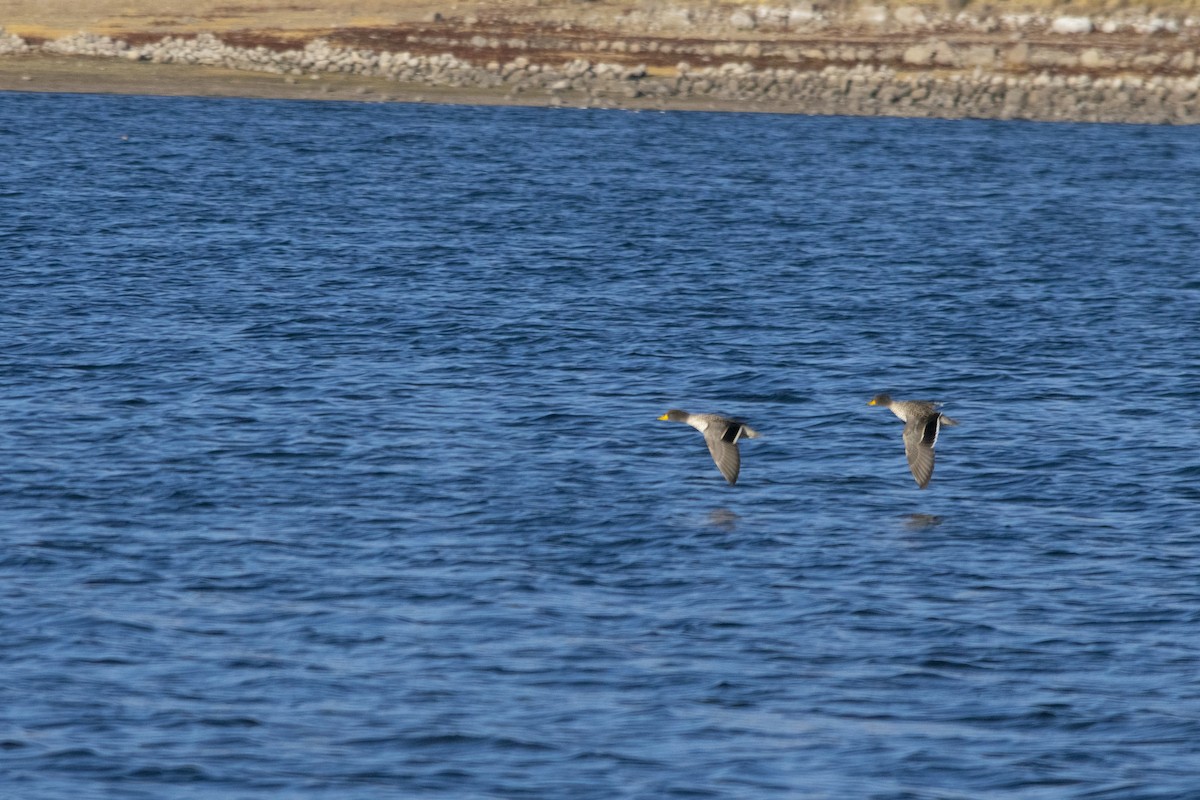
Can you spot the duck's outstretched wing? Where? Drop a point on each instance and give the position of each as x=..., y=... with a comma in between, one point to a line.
x=722, y=436
x=920, y=435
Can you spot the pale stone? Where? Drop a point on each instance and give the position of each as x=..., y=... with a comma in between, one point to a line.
x=1071, y=25
x=945, y=55
x=979, y=55
x=801, y=15
x=1052, y=57
x=873, y=15
x=910, y=16
x=772, y=16
x=1092, y=58
x=741, y=20
x=919, y=54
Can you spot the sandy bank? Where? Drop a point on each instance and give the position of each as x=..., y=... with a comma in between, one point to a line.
x=91, y=75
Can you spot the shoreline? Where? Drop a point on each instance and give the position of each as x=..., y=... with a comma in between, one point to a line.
x=41, y=73
x=797, y=59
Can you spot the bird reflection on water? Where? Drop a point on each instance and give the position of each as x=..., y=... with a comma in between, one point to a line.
x=723, y=518
x=917, y=522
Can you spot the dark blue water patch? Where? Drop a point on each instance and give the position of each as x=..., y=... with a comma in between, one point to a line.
x=332, y=466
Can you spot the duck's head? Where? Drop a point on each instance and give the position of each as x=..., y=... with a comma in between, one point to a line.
x=884, y=400
x=675, y=415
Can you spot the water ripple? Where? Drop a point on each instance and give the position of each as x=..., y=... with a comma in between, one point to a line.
x=332, y=465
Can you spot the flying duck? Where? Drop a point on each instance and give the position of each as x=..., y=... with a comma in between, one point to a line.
x=721, y=435
x=922, y=421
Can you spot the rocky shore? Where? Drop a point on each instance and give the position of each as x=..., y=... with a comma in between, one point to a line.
x=864, y=60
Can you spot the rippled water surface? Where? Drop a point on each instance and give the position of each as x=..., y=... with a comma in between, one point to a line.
x=331, y=466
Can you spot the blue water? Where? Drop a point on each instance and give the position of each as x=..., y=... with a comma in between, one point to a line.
x=331, y=467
